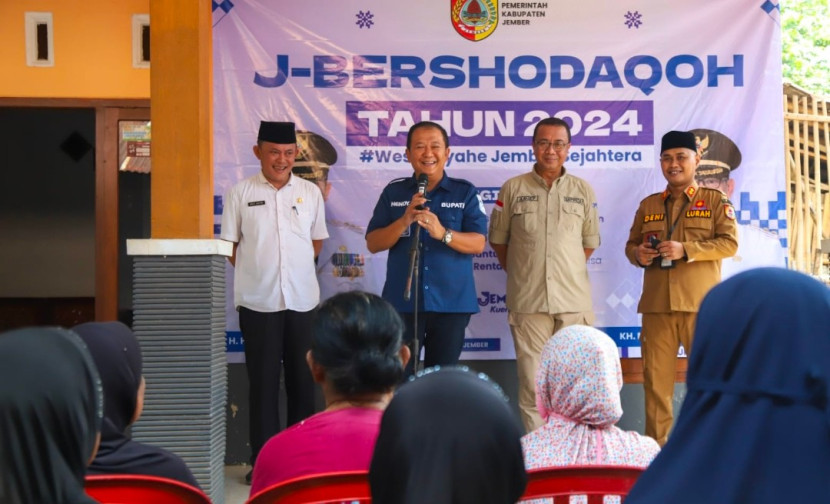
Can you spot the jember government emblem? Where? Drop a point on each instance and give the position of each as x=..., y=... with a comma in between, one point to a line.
x=474, y=19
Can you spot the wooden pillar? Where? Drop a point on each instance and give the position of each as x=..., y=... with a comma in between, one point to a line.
x=179, y=278
x=106, y=214
x=181, y=92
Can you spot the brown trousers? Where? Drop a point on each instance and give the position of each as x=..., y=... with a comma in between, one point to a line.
x=661, y=337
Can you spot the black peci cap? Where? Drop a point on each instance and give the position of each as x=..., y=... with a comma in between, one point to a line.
x=676, y=139
x=277, y=132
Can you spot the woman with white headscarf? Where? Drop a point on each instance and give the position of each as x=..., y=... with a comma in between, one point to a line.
x=578, y=395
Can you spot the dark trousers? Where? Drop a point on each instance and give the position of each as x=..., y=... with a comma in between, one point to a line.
x=441, y=335
x=271, y=340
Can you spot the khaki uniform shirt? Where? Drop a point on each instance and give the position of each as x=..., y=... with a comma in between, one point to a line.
x=708, y=232
x=546, y=231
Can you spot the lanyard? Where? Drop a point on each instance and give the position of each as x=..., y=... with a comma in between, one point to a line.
x=668, y=216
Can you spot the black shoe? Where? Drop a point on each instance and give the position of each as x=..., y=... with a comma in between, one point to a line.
x=249, y=476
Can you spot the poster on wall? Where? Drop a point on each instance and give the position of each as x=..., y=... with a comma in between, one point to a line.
x=354, y=76
x=134, y=146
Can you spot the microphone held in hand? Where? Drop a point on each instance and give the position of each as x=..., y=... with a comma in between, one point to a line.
x=422, y=190
x=422, y=187
x=416, y=238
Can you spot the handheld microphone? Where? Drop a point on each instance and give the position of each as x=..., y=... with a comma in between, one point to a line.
x=422, y=187
x=416, y=238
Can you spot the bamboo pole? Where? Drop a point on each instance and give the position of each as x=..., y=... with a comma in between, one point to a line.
x=807, y=117
x=826, y=224
x=826, y=221
x=809, y=209
x=788, y=166
x=819, y=219
x=798, y=238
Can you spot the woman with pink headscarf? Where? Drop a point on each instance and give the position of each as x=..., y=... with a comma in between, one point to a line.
x=578, y=395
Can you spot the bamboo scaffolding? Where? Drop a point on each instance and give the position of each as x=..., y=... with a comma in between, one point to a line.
x=807, y=140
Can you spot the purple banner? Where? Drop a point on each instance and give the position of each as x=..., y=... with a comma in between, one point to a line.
x=499, y=123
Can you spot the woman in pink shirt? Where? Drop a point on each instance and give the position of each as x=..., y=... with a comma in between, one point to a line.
x=358, y=358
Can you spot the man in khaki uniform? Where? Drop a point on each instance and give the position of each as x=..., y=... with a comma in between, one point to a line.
x=543, y=229
x=695, y=227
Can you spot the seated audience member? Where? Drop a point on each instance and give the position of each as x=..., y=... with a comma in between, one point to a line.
x=358, y=358
x=117, y=354
x=755, y=424
x=578, y=396
x=50, y=415
x=448, y=437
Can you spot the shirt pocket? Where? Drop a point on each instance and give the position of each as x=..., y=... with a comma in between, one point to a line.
x=697, y=228
x=301, y=220
x=526, y=217
x=450, y=219
x=656, y=229
x=254, y=215
x=572, y=215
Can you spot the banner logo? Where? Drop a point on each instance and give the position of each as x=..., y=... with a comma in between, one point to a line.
x=489, y=195
x=495, y=301
x=474, y=19
x=347, y=264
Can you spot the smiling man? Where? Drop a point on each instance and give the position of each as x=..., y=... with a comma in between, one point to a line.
x=453, y=227
x=543, y=229
x=277, y=224
x=679, y=236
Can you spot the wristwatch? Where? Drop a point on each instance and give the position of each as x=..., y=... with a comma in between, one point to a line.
x=447, y=237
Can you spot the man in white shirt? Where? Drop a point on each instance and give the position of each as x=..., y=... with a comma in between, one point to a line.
x=276, y=222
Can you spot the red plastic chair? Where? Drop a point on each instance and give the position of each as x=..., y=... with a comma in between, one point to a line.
x=557, y=483
x=138, y=489
x=346, y=486
x=595, y=482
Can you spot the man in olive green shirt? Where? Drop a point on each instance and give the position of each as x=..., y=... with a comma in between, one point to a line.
x=544, y=227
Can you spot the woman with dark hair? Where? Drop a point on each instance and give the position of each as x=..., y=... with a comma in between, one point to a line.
x=755, y=424
x=358, y=358
x=448, y=437
x=117, y=355
x=50, y=415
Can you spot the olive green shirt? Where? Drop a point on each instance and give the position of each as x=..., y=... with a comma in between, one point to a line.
x=546, y=232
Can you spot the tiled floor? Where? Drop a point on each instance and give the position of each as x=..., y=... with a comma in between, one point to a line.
x=236, y=490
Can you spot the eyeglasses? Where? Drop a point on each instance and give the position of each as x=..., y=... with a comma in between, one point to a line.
x=711, y=182
x=557, y=145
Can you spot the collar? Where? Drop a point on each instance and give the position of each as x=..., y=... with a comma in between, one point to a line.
x=262, y=180
x=689, y=192
x=542, y=180
x=442, y=184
